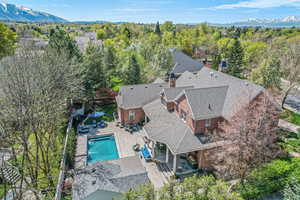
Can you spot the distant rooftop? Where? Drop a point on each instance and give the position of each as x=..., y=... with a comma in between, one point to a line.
x=183, y=63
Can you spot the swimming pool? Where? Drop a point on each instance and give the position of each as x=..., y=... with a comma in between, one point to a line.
x=102, y=148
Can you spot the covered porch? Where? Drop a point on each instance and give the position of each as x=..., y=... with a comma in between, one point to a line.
x=179, y=164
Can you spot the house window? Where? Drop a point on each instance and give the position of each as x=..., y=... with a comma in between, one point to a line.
x=183, y=115
x=207, y=123
x=131, y=115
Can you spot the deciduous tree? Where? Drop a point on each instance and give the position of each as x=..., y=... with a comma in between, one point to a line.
x=8, y=40
x=250, y=136
x=268, y=74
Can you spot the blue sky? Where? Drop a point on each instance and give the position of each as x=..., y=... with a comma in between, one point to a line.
x=179, y=11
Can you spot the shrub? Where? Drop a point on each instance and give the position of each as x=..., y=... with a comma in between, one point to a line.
x=71, y=149
x=270, y=178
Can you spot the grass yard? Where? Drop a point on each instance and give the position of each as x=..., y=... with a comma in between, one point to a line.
x=2, y=190
x=290, y=142
x=290, y=117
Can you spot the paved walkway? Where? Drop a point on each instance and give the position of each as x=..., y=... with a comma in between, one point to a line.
x=285, y=125
x=125, y=141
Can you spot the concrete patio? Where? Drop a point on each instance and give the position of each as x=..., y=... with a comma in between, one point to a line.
x=125, y=141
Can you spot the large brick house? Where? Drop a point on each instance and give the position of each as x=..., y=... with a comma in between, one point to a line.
x=181, y=116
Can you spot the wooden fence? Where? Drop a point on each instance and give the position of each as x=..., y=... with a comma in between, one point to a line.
x=61, y=177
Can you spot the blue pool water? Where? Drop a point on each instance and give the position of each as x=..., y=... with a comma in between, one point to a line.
x=102, y=148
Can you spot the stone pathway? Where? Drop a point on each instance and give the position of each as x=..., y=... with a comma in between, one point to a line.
x=292, y=103
x=287, y=126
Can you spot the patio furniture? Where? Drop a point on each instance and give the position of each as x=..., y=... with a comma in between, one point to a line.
x=192, y=162
x=145, y=153
x=101, y=124
x=83, y=131
x=129, y=128
x=136, y=147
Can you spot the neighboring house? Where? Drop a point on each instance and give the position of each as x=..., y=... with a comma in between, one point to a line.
x=109, y=179
x=183, y=63
x=181, y=117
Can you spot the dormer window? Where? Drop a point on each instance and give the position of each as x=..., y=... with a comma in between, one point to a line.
x=207, y=123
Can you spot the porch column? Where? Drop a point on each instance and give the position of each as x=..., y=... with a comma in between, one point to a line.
x=153, y=149
x=167, y=155
x=174, y=163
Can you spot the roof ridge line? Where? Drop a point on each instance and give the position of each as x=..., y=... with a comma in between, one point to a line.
x=198, y=88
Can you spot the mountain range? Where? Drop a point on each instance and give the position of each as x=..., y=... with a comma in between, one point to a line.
x=11, y=12
x=290, y=21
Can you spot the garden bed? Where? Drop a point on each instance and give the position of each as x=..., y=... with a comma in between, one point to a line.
x=290, y=142
x=2, y=190
x=290, y=117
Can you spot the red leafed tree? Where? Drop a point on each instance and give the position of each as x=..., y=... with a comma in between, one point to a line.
x=251, y=137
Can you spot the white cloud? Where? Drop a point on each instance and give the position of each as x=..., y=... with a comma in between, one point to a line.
x=256, y=4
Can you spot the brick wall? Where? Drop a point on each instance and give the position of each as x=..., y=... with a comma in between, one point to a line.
x=196, y=126
x=124, y=115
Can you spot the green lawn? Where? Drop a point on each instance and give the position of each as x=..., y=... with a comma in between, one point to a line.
x=290, y=117
x=290, y=142
x=2, y=190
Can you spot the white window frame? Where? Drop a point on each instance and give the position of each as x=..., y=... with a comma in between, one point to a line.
x=207, y=123
x=131, y=115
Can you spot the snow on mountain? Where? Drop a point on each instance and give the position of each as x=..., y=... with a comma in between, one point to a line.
x=11, y=12
x=289, y=21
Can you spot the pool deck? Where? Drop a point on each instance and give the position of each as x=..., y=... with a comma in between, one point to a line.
x=125, y=142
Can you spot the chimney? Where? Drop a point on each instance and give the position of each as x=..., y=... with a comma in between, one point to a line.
x=172, y=81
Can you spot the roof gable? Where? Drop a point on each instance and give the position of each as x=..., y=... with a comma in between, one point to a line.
x=136, y=96
x=239, y=93
x=172, y=93
x=206, y=103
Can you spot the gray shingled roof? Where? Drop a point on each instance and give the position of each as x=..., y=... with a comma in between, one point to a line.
x=159, y=80
x=206, y=103
x=172, y=93
x=167, y=128
x=114, y=176
x=239, y=93
x=136, y=96
x=183, y=62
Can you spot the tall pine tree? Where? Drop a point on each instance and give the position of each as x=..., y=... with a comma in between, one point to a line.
x=62, y=42
x=92, y=69
x=157, y=29
x=235, y=59
x=133, y=71
x=109, y=64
